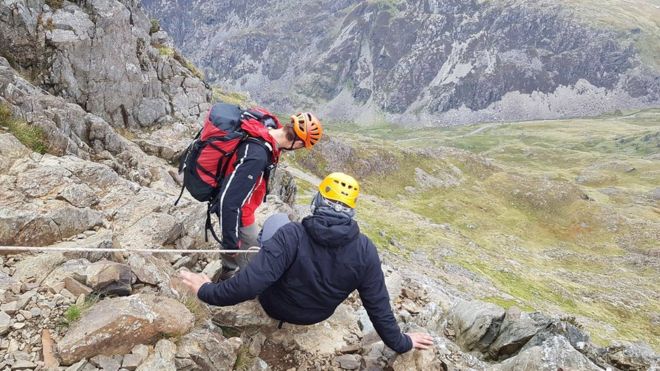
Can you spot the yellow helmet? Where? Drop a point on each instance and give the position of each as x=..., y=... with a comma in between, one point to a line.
x=340, y=187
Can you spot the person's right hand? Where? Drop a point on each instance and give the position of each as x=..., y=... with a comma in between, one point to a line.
x=420, y=340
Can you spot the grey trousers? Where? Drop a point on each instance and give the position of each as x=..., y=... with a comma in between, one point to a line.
x=251, y=238
x=248, y=236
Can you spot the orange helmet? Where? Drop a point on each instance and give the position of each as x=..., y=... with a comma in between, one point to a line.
x=307, y=127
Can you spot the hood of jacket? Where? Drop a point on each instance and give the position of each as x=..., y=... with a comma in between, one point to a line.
x=331, y=230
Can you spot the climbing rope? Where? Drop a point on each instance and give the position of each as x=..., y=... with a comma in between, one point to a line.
x=17, y=249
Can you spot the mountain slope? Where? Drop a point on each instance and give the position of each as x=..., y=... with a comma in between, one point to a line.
x=560, y=216
x=421, y=62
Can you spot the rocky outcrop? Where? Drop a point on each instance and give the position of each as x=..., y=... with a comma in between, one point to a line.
x=419, y=63
x=553, y=354
x=137, y=319
x=72, y=51
x=69, y=130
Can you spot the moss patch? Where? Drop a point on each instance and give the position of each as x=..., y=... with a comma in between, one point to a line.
x=31, y=136
x=220, y=94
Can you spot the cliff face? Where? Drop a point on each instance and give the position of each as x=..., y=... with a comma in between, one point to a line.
x=442, y=61
x=103, y=56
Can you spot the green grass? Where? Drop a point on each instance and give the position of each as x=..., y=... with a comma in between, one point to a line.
x=155, y=26
x=165, y=51
x=72, y=314
x=31, y=136
x=188, y=64
x=75, y=311
x=244, y=360
x=197, y=308
x=220, y=94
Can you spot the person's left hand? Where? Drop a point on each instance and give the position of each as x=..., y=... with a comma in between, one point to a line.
x=193, y=280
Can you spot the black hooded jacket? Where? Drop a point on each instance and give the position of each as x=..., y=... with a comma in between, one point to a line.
x=307, y=269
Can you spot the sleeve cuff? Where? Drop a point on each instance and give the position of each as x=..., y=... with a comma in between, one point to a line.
x=409, y=343
x=201, y=293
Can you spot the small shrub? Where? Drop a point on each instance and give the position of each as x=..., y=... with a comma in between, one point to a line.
x=75, y=311
x=165, y=50
x=231, y=97
x=155, y=26
x=126, y=133
x=197, y=308
x=72, y=314
x=31, y=136
x=55, y=4
x=189, y=65
x=50, y=25
x=573, y=321
x=244, y=360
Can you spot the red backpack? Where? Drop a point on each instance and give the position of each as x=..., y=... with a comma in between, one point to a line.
x=205, y=162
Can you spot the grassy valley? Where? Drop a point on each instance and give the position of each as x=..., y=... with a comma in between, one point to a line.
x=560, y=216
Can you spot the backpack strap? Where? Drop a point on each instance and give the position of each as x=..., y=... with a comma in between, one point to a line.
x=183, y=186
x=209, y=226
x=183, y=158
x=272, y=165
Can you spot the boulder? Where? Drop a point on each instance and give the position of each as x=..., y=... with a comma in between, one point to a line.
x=418, y=360
x=152, y=230
x=74, y=268
x=454, y=358
x=79, y=195
x=632, y=357
x=37, y=268
x=150, y=270
x=349, y=361
x=76, y=288
x=209, y=350
x=555, y=353
x=9, y=283
x=107, y=363
x=325, y=337
x=476, y=324
x=109, y=278
x=516, y=330
x=394, y=283
x=162, y=358
x=137, y=356
x=52, y=222
x=5, y=322
x=11, y=149
x=115, y=326
x=244, y=315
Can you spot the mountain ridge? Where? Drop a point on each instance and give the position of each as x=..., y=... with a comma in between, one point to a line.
x=422, y=63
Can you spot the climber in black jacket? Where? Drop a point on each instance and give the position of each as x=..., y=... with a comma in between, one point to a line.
x=305, y=270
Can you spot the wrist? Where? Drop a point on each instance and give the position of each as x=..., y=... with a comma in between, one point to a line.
x=200, y=291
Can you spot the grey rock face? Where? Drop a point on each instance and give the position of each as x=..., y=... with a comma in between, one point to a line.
x=100, y=55
x=438, y=62
x=553, y=354
x=476, y=324
x=515, y=331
